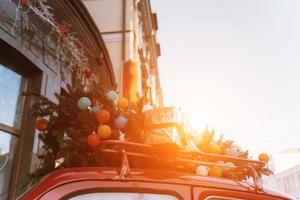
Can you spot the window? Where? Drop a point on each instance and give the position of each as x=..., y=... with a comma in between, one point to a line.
x=122, y=196
x=8, y=145
x=11, y=85
x=11, y=101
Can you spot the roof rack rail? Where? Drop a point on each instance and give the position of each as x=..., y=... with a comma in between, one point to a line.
x=183, y=161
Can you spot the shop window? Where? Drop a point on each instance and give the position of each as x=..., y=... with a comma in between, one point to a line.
x=11, y=104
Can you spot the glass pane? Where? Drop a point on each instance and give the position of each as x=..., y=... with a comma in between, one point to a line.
x=122, y=196
x=10, y=98
x=8, y=145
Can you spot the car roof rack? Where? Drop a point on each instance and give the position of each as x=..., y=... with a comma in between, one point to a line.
x=147, y=156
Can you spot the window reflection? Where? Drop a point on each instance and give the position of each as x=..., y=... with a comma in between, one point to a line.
x=8, y=144
x=10, y=88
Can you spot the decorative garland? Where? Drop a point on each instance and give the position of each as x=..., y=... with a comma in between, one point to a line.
x=208, y=144
x=69, y=48
x=72, y=131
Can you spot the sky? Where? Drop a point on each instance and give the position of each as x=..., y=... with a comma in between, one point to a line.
x=234, y=65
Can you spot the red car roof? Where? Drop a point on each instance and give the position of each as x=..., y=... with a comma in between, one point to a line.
x=68, y=175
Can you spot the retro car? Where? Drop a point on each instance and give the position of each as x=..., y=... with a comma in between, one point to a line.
x=145, y=183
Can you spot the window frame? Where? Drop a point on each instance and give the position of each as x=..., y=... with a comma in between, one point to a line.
x=10, y=130
x=69, y=189
x=31, y=82
x=203, y=193
x=13, y=131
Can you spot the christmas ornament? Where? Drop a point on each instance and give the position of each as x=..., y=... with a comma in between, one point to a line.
x=93, y=140
x=103, y=116
x=87, y=73
x=122, y=137
x=264, y=157
x=202, y=170
x=63, y=29
x=41, y=125
x=84, y=103
x=112, y=95
x=120, y=122
x=24, y=2
x=95, y=109
x=123, y=103
x=104, y=132
x=147, y=107
x=215, y=171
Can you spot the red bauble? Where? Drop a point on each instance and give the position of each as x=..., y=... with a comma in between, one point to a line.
x=63, y=29
x=93, y=140
x=24, y=2
x=88, y=74
x=103, y=116
x=41, y=125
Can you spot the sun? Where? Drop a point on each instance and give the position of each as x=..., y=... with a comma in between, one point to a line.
x=194, y=120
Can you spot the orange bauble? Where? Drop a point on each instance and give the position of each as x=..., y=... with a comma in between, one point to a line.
x=93, y=140
x=104, y=132
x=214, y=148
x=103, y=116
x=215, y=172
x=123, y=103
x=41, y=125
x=264, y=157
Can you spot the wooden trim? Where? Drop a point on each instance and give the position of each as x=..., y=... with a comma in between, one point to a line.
x=9, y=129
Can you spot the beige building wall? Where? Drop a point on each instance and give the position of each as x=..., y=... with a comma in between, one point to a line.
x=128, y=27
x=108, y=15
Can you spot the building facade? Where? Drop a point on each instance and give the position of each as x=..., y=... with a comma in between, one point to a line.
x=41, y=43
x=128, y=28
x=287, y=181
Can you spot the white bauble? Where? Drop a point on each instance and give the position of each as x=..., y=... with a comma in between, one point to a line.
x=202, y=170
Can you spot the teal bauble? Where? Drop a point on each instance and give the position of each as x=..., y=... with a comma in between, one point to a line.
x=112, y=95
x=84, y=103
x=120, y=122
